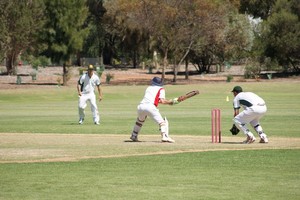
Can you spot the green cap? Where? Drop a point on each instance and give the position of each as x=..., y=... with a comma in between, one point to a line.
x=237, y=89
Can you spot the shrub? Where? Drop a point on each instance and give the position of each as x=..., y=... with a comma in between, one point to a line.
x=109, y=77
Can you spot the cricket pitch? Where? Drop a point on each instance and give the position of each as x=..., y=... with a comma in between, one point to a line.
x=31, y=148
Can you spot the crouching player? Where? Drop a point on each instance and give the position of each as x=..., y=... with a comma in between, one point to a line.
x=254, y=109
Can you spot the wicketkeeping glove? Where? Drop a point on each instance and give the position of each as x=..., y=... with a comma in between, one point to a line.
x=234, y=130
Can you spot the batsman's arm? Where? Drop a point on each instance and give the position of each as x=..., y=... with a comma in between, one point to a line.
x=168, y=102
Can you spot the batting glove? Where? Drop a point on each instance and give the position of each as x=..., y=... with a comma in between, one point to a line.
x=175, y=101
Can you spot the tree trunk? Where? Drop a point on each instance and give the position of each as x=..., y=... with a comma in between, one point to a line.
x=183, y=58
x=78, y=56
x=135, y=59
x=10, y=64
x=175, y=72
x=165, y=65
x=65, y=75
x=186, y=69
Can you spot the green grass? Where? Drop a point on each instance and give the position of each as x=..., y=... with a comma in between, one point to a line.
x=54, y=110
x=255, y=174
x=249, y=174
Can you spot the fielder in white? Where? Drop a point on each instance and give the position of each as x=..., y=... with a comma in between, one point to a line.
x=154, y=95
x=86, y=91
x=254, y=109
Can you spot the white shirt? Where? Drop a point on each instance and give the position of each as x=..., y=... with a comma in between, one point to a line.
x=88, y=84
x=247, y=99
x=153, y=94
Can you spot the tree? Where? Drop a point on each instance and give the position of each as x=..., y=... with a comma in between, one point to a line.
x=3, y=28
x=159, y=20
x=257, y=8
x=225, y=35
x=95, y=41
x=171, y=33
x=21, y=22
x=64, y=32
x=198, y=24
x=198, y=30
x=281, y=34
x=126, y=37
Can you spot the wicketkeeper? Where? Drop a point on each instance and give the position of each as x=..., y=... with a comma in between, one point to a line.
x=254, y=109
x=154, y=95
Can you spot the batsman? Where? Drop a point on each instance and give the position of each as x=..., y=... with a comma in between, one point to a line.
x=154, y=95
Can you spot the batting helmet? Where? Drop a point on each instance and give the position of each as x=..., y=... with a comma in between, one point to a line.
x=157, y=81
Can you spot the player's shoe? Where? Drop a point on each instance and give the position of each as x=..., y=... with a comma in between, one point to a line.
x=167, y=139
x=249, y=140
x=80, y=121
x=134, y=138
x=97, y=123
x=263, y=139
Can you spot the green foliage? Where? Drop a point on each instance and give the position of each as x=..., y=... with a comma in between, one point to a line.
x=109, y=77
x=95, y=41
x=64, y=32
x=256, y=65
x=206, y=32
x=80, y=70
x=239, y=37
x=36, y=62
x=270, y=64
x=253, y=69
x=21, y=22
x=174, y=36
x=229, y=78
x=281, y=35
x=257, y=8
x=100, y=69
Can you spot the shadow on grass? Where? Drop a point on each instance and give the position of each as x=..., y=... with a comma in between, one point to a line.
x=33, y=84
x=130, y=141
x=232, y=143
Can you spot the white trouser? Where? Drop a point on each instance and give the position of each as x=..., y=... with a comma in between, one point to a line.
x=150, y=110
x=250, y=116
x=144, y=110
x=91, y=97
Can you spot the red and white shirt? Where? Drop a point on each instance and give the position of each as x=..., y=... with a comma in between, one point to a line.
x=153, y=94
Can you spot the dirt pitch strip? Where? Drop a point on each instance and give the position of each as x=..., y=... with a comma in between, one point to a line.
x=33, y=148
